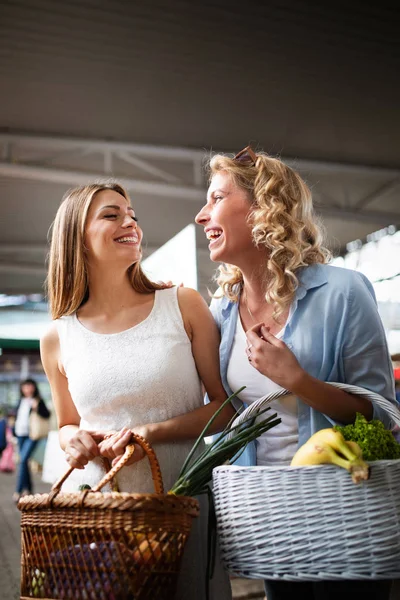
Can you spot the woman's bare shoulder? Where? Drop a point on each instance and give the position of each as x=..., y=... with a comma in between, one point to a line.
x=191, y=299
x=49, y=339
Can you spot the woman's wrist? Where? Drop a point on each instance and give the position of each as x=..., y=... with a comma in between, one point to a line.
x=150, y=432
x=65, y=433
x=299, y=382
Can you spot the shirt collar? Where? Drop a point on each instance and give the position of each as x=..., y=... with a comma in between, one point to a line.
x=309, y=277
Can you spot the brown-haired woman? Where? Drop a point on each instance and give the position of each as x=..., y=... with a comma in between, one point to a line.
x=125, y=354
x=30, y=400
x=288, y=320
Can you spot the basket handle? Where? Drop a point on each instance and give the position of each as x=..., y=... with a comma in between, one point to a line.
x=129, y=450
x=263, y=402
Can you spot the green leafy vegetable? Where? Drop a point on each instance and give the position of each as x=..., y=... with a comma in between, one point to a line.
x=84, y=486
x=196, y=474
x=376, y=442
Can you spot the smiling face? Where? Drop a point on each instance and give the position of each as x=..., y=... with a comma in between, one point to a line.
x=225, y=221
x=112, y=233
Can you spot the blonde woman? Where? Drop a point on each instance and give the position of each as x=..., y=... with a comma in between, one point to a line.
x=124, y=354
x=289, y=320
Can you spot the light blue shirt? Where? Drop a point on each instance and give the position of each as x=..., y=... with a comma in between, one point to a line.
x=335, y=332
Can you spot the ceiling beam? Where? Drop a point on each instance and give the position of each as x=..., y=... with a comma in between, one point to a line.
x=366, y=216
x=176, y=153
x=379, y=194
x=322, y=167
x=22, y=269
x=12, y=247
x=65, y=143
x=73, y=178
x=148, y=168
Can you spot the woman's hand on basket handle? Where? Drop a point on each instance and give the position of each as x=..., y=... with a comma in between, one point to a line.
x=114, y=444
x=83, y=447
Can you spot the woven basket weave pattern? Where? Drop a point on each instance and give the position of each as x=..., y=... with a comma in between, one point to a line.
x=309, y=523
x=111, y=546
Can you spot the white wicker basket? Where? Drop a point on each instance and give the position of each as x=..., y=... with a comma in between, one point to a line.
x=309, y=523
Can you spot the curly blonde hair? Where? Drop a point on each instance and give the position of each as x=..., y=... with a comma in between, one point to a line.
x=67, y=281
x=282, y=220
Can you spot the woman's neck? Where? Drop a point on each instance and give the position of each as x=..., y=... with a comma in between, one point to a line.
x=254, y=271
x=255, y=284
x=109, y=291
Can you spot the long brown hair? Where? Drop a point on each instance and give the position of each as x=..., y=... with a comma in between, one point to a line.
x=67, y=278
x=282, y=220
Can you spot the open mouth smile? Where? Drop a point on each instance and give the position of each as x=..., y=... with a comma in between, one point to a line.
x=213, y=235
x=128, y=239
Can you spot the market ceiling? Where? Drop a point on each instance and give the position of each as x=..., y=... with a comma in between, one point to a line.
x=142, y=91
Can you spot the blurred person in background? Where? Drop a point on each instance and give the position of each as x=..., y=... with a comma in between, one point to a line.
x=3, y=431
x=288, y=320
x=7, y=456
x=30, y=400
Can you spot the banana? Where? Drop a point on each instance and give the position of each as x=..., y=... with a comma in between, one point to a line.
x=319, y=451
x=354, y=447
x=334, y=439
x=314, y=453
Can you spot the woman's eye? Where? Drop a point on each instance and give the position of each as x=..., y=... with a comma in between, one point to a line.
x=217, y=198
x=116, y=217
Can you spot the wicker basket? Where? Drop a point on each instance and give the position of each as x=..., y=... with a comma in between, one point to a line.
x=309, y=523
x=104, y=546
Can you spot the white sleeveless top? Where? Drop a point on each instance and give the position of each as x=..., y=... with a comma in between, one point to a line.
x=278, y=445
x=145, y=374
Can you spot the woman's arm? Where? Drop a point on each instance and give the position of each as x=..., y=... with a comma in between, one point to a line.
x=275, y=360
x=80, y=446
x=204, y=336
x=363, y=353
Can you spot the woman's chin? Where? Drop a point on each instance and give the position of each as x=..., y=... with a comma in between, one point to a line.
x=217, y=256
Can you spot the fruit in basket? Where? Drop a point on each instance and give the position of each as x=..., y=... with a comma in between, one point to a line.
x=38, y=583
x=355, y=448
x=93, y=571
x=334, y=439
x=376, y=442
x=328, y=446
x=148, y=552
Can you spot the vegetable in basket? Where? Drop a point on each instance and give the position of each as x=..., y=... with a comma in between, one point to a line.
x=376, y=442
x=38, y=583
x=91, y=569
x=328, y=446
x=196, y=474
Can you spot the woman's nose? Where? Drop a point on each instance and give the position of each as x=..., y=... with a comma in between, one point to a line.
x=202, y=217
x=129, y=222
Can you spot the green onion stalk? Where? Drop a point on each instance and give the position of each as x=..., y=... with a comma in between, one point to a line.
x=196, y=473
